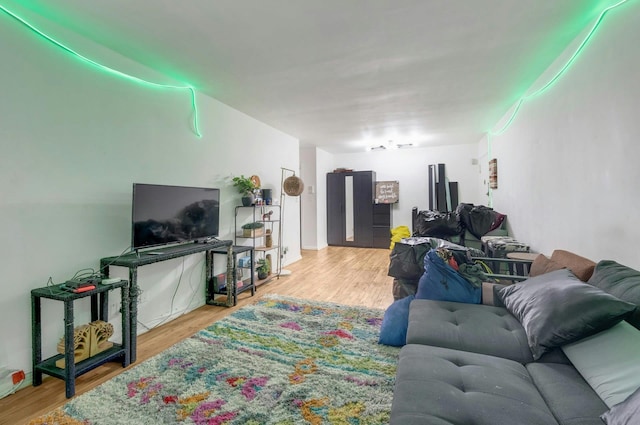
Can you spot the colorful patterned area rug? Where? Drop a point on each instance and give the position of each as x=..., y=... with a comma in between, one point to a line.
x=281, y=361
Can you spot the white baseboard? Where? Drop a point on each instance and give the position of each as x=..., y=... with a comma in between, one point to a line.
x=6, y=384
x=291, y=260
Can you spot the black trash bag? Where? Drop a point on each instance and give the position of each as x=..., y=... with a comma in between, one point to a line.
x=478, y=219
x=402, y=288
x=407, y=256
x=405, y=260
x=436, y=224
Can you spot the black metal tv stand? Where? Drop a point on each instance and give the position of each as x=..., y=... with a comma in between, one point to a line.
x=136, y=259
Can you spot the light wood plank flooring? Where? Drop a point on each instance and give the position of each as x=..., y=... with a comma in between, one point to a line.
x=353, y=276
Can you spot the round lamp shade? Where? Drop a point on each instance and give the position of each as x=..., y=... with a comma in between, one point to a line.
x=293, y=186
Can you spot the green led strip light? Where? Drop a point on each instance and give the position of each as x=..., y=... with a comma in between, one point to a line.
x=553, y=79
x=559, y=73
x=192, y=90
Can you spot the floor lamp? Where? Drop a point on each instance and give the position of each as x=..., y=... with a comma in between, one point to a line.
x=291, y=186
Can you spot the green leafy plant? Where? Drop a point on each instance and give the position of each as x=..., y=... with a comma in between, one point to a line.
x=253, y=225
x=263, y=267
x=244, y=185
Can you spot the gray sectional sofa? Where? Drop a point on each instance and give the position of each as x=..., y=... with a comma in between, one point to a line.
x=473, y=364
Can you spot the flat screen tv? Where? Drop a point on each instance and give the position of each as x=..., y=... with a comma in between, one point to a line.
x=165, y=215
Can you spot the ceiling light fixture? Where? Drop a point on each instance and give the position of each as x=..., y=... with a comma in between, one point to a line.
x=377, y=148
x=390, y=145
x=191, y=89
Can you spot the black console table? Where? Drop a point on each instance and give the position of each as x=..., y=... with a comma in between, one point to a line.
x=98, y=312
x=136, y=259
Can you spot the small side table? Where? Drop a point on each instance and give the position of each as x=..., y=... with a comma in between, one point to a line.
x=499, y=247
x=232, y=290
x=522, y=268
x=99, y=311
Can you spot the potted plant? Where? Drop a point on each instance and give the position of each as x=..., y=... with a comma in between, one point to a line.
x=246, y=186
x=263, y=268
x=253, y=229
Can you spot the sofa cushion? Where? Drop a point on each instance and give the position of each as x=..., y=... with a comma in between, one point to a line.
x=625, y=413
x=571, y=400
x=440, y=386
x=556, y=308
x=580, y=266
x=468, y=327
x=543, y=264
x=609, y=361
x=393, y=330
x=620, y=281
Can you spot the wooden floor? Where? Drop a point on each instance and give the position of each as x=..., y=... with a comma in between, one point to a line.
x=353, y=276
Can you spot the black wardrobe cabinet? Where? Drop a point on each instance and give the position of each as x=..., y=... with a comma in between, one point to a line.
x=350, y=208
x=382, y=224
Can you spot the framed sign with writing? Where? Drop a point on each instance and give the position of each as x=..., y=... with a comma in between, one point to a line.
x=493, y=173
x=387, y=192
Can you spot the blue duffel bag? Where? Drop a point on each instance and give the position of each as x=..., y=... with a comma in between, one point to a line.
x=441, y=282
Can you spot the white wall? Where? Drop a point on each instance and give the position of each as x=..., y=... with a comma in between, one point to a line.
x=568, y=166
x=73, y=140
x=309, y=213
x=315, y=164
x=324, y=164
x=410, y=168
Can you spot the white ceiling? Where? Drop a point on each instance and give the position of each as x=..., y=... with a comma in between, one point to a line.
x=340, y=74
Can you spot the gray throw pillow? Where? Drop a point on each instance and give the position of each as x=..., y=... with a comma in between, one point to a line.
x=620, y=281
x=557, y=308
x=625, y=413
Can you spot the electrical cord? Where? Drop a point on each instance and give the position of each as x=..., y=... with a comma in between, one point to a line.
x=89, y=272
x=86, y=273
x=173, y=298
x=50, y=285
x=7, y=374
x=194, y=291
x=175, y=292
x=116, y=258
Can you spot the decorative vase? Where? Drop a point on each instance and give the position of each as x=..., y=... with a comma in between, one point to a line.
x=247, y=200
x=268, y=240
x=266, y=196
